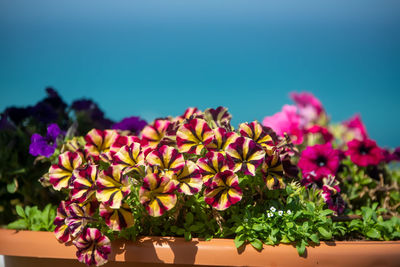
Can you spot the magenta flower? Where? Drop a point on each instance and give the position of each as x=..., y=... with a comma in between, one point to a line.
x=286, y=121
x=322, y=131
x=364, y=153
x=310, y=108
x=323, y=160
x=355, y=128
x=331, y=194
x=45, y=146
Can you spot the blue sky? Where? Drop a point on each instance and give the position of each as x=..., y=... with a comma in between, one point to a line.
x=155, y=58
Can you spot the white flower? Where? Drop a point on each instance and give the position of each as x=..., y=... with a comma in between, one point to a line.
x=269, y=214
x=280, y=213
x=289, y=212
x=273, y=209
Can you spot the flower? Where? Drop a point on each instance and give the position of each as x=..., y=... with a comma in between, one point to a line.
x=211, y=164
x=272, y=170
x=322, y=131
x=218, y=117
x=84, y=185
x=93, y=247
x=364, y=153
x=273, y=209
x=189, y=180
x=45, y=146
x=270, y=214
x=331, y=195
x=246, y=154
x=286, y=121
x=133, y=124
x=256, y=131
x=117, y=219
x=99, y=142
x=222, y=139
x=129, y=158
x=310, y=108
x=77, y=219
x=157, y=194
x=167, y=158
x=355, y=128
x=289, y=212
x=62, y=231
x=193, y=136
x=112, y=187
x=154, y=134
x=280, y=212
x=223, y=191
x=321, y=159
x=61, y=174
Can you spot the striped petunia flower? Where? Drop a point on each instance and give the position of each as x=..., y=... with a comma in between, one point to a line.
x=211, y=164
x=272, y=170
x=84, y=185
x=62, y=231
x=189, y=113
x=129, y=158
x=246, y=154
x=93, y=247
x=222, y=139
x=98, y=143
x=223, y=191
x=112, y=187
x=193, y=136
x=153, y=135
x=189, y=179
x=61, y=174
x=167, y=159
x=256, y=132
x=121, y=141
x=117, y=219
x=157, y=194
x=218, y=117
x=77, y=219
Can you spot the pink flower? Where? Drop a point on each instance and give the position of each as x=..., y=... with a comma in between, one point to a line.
x=355, y=128
x=316, y=129
x=286, y=121
x=364, y=153
x=309, y=106
x=322, y=160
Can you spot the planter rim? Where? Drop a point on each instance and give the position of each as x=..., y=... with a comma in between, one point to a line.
x=216, y=252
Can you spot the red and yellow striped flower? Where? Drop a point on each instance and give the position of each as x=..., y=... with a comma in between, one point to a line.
x=223, y=191
x=246, y=154
x=218, y=117
x=157, y=194
x=62, y=231
x=98, y=143
x=117, y=219
x=222, y=139
x=61, y=174
x=193, y=136
x=189, y=113
x=272, y=170
x=73, y=145
x=77, y=219
x=112, y=187
x=93, y=247
x=129, y=158
x=189, y=179
x=167, y=159
x=212, y=164
x=84, y=185
x=152, y=135
x=257, y=133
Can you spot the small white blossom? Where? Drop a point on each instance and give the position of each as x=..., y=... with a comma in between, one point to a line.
x=245, y=220
x=270, y=214
x=289, y=212
x=273, y=209
x=280, y=213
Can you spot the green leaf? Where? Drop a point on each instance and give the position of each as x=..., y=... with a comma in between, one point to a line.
x=301, y=247
x=289, y=225
x=314, y=238
x=257, y=244
x=20, y=211
x=239, y=229
x=373, y=233
x=189, y=218
x=325, y=234
x=12, y=187
x=326, y=212
x=180, y=231
x=188, y=236
x=18, y=224
x=257, y=227
x=195, y=228
x=239, y=241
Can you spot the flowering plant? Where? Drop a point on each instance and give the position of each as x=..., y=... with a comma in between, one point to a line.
x=196, y=175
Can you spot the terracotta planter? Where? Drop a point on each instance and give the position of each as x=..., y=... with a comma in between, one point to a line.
x=26, y=248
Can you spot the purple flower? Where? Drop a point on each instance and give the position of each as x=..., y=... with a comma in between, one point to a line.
x=133, y=124
x=45, y=146
x=83, y=104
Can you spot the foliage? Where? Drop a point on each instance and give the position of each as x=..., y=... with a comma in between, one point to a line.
x=31, y=218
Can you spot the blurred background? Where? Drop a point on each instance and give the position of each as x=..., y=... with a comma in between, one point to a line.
x=156, y=58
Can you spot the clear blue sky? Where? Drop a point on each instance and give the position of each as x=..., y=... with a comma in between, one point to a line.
x=155, y=58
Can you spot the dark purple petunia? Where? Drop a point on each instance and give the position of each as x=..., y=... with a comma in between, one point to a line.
x=45, y=146
x=133, y=124
x=83, y=104
x=323, y=160
x=364, y=153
